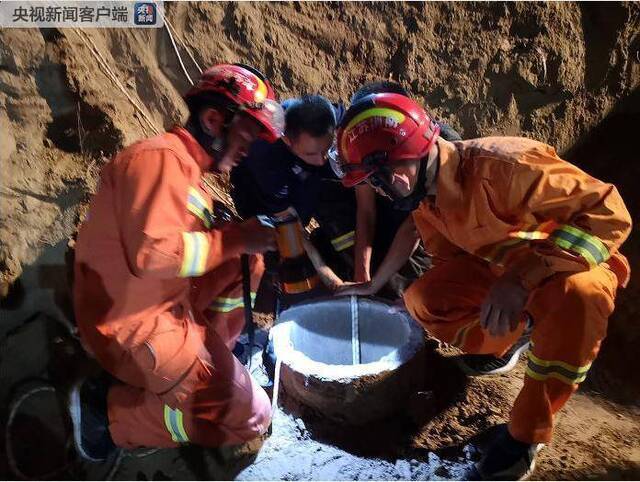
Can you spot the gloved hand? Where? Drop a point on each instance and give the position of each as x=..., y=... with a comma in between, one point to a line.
x=502, y=309
x=254, y=236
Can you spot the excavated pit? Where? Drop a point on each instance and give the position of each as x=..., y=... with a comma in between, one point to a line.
x=319, y=350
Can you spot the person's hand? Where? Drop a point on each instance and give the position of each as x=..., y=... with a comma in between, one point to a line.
x=350, y=288
x=502, y=309
x=362, y=276
x=254, y=236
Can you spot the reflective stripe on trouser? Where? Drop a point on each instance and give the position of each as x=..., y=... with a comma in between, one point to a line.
x=224, y=304
x=542, y=370
x=570, y=318
x=183, y=384
x=214, y=402
x=174, y=422
x=218, y=297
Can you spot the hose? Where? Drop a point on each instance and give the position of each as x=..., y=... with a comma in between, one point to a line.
x=11, y=456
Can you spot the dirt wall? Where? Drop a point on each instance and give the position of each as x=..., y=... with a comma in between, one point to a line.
x=564, y=73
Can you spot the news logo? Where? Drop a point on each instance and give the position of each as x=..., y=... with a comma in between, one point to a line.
x=81, y=14
x=145, y=14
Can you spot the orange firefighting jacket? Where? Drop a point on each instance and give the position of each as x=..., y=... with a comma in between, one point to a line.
x=515, y=203
x=146, y=233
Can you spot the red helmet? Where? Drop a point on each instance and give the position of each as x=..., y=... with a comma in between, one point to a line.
x=247, y=88
x=383, y=129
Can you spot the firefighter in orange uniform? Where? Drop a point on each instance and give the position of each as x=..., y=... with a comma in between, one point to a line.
x=158, y=287
x=525, y=250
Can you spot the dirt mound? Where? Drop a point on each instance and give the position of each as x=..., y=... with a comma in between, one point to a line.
x=564, y=73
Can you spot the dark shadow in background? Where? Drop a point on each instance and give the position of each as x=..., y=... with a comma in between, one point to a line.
x=610, y=153
x=602, y=23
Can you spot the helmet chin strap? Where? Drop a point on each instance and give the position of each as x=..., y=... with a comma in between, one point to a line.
x=427, y=176
x=213, y=145
x=406, y=203
x=413, y=200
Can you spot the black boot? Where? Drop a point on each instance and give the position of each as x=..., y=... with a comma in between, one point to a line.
x=506, y=459
x=479, y=365
x=88, y=409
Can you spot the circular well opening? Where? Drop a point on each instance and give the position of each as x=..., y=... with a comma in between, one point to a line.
x=317, y=336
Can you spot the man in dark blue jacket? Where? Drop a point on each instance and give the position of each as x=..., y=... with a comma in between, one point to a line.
x=294, y=172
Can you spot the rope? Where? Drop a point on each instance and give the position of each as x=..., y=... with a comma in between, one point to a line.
x=355, y=331
x=276, y=390
x=116, y=466
x=184, y=45
x=104, y=65
x=175, y=47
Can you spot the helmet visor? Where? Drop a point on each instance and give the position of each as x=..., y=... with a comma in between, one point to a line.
x=335, y=162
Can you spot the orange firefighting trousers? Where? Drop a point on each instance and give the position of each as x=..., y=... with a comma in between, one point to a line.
x=569, y=312
x=169, y=397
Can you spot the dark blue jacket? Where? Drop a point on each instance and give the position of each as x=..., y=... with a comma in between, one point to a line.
x=271, y=178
